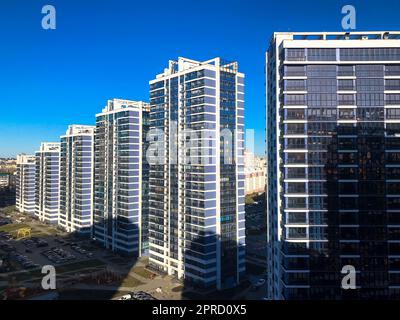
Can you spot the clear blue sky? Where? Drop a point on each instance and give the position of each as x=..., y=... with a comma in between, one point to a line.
x=103, y=49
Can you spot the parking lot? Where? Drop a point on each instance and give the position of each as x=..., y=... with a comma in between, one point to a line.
x=40, y=245
x=83, y=266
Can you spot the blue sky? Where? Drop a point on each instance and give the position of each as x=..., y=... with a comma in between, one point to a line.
x=103, y=49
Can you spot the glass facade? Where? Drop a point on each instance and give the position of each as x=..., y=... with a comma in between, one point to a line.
x=145, y=180
x=337, y=152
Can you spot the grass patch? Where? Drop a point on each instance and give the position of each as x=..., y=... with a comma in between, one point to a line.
x=130, y=281
x=143, y=272
x=76, y=266
x=48, y=230
x=13, y=227
x=38, y=234
x=71, y=267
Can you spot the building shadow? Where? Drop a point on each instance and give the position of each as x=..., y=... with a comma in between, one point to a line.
x=108, y=275
x=357, y=215
x=219, y=278
x=7, y=197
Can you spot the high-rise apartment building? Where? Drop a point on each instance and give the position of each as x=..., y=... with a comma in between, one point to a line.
x=333, y=148
x=118, y=217
x=25, y=184
x=76, y=179
x=4, y=180
x=47, y=182
x=196, y=218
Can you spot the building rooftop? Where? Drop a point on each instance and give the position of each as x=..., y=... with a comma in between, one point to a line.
x=75, y=129
x=185, y=64
x=343, y=35
x=119, y=104
x=24, y=159
x=49, y=147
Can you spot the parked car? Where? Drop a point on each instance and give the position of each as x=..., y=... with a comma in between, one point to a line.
x=41, y=243
x=141, y=295
x=259, y=283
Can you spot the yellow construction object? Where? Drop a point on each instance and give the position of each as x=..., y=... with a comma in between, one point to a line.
x=23, y=233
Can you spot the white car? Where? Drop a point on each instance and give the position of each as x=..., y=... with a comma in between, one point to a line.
x=259, y=283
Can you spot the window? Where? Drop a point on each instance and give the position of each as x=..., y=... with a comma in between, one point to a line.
x=321, y=85
x=370, y=84
x=369, y=71
x=295, y=143
x=295, y=187
x=295, y=158
x=297, y=217
x=295, y=173
x=346, y=71
x=372, y=54
x=346, y=114
x=370, y=114
x=295, y=100
x=297, y=233
x=295, y=128
x=345, y=84
x=393, y=113
x=322, y=100
x=392, y=128
x=392, y=99
x=294, y=71
x=321, y=71
x=294, y=114
x=317, y=187
x=346, y=100
x=392, y=84
x=323, y=114
x=392, y=70
x=296, y=203
x=294, y=54
x=295, y=85
x=318, y=233
x=317, y=158
x=321, y=54
x=370, y=99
